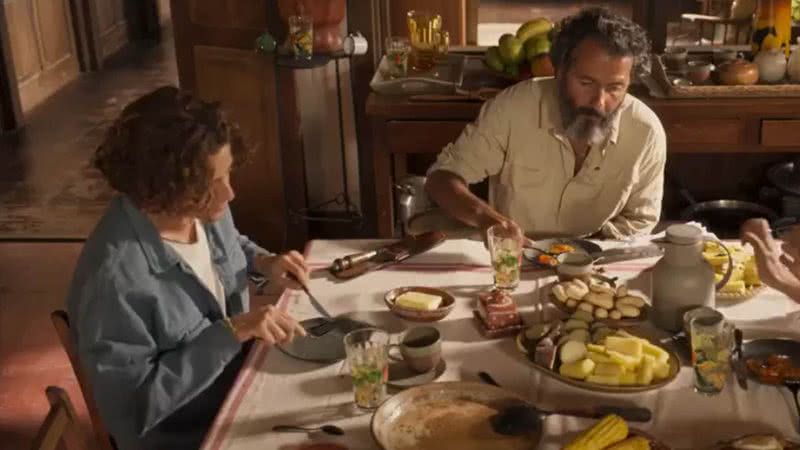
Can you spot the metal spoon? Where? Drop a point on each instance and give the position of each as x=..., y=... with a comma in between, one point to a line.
x=329, y=429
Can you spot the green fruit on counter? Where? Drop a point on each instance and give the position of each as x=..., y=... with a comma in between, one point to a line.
x=510, y=50
x=533, y=28
x=512, y=70
x=493, y=59
x=536, y=46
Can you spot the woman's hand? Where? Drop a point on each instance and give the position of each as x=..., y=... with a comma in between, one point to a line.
x=280, y=267
x=268, y=323
x=778, y=269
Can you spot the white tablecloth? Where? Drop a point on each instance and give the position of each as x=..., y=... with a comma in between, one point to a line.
x=276, y=389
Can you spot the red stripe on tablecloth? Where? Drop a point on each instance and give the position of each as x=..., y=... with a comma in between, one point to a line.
x=222, y=423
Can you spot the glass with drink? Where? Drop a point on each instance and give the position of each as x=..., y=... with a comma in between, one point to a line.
x=712, y=341
x=505, y=248
x=301, y=36
x=366, y=350
x=397, y=51
x=427, y=38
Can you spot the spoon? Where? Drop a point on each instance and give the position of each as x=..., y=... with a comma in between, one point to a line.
x=329, y=429
x=525, y=418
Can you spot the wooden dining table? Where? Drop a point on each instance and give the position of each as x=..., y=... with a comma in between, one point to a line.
x=274, y=388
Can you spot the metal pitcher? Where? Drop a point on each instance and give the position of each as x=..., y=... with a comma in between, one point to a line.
x=411, y=198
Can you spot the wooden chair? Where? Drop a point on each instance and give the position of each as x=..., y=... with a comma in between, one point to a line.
x=61, y=324
x=60, y=425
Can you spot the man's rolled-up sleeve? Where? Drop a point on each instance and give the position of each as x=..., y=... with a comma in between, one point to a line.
x=643, y=208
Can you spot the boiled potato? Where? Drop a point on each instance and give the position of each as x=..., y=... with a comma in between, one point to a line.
x=572, y=351
x=645, y=374
x=627, y=346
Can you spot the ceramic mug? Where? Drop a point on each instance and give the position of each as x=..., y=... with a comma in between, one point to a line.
x=420, y=348
x=355, y=44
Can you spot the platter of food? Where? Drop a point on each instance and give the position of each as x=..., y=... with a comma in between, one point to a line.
x=600, y=298
x=547, y=250
x=589, y=354
x=744, y=282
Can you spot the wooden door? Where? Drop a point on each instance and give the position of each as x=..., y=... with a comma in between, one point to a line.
x=111, y=26
x=43, y=50
x=453, y=12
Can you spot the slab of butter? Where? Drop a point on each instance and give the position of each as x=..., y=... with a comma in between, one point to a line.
x=418, y=300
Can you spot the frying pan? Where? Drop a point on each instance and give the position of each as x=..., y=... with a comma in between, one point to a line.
x=763, y=348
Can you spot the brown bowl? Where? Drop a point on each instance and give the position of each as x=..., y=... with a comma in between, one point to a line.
x=416, y=315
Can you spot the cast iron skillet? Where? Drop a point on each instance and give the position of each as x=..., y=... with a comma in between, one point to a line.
x=763, y=348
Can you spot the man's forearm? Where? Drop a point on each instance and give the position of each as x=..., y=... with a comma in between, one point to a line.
x=452, y=194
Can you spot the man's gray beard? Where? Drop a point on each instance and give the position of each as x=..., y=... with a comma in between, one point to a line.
x=586, y=129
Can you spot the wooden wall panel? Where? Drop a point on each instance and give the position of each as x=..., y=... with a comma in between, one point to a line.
x=243, y=81
x=42, y=44
x=112, y=26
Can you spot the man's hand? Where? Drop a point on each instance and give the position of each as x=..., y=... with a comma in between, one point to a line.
x=268, y=323
x=280, y=266
x=777, y=269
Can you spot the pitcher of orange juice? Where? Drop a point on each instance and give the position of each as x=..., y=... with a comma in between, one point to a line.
x=428, y=40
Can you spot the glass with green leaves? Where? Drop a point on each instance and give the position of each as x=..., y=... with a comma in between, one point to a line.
x=712, y=341
x=505, y=248
x=366, y=350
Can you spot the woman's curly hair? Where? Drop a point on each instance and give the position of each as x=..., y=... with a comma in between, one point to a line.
x=157, y=151
x=618, y=34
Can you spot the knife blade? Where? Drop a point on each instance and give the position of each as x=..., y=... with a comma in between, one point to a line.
x=739, y=366
x=626, y=254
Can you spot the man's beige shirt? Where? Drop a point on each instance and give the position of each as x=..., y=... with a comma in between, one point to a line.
x=517, y=142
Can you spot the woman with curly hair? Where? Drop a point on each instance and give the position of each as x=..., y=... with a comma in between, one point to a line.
x=159, y=305
x=574, y=155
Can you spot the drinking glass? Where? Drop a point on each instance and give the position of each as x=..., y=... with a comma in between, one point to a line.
x=397, y=51
x=427, y=38
x=366, y=350
x=712, y=341
x=505, y=248
x=301, y=36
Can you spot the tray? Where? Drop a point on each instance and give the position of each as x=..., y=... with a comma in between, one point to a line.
x=659, y=76
x=674, y=370
x=442, y=79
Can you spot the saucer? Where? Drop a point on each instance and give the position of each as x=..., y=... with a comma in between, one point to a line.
x=402, y=377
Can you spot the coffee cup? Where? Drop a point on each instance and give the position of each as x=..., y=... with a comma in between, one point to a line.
x=420, y=348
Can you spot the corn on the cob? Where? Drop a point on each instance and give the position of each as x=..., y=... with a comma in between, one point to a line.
x=634, y=443
x=608, y=431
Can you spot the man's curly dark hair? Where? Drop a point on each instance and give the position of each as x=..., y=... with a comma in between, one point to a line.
x=618, y=34
x=157, y=151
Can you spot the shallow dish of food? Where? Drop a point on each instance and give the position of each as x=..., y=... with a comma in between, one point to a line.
x=420, y=303
x=546, y=251
x=585, y=353
x=744, y=282
x=455, y=413
x=757, y=442
x=602, y=298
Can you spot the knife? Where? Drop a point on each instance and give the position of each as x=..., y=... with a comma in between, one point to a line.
x=739, y=367
x=626, y=254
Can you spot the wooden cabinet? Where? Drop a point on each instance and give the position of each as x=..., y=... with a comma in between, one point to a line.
x=42, y=45
x=693, y=126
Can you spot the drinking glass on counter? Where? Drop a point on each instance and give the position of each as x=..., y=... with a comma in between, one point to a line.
x=301, y=36
x=367, y=350
x=712, y=341
x=428, y=40
x=505, y=248
x=397, y=52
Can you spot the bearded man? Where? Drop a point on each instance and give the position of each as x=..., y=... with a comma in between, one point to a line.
x=574, y=155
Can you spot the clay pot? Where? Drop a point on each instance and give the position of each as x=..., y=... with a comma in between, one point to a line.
x=737, y=72
x=327, y=16
x=771, y=65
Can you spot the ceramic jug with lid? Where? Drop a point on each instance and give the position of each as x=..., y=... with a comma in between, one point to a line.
x=682, y=278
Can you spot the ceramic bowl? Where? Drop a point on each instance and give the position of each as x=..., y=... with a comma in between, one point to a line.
x=698, y=72
x=574, y=265
x=416, y=315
